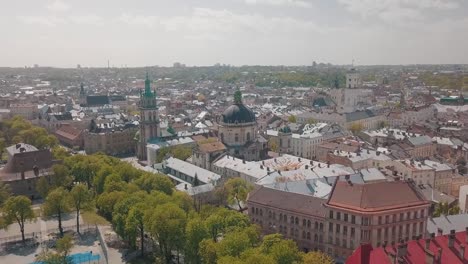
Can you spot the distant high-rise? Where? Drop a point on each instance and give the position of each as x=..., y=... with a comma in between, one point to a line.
x=149, y=118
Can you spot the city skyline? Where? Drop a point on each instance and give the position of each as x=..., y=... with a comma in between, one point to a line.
x=64, y=33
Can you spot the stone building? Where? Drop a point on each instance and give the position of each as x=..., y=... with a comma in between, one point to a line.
x=237, y=130
x=110, y=138
x=374, y=213
x=350, y=215
x=25, y=165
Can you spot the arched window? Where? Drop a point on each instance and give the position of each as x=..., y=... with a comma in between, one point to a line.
x=315, y=238
x=236, y=137
x=292, y=220
x=308, y=235
x=303, y=234
x=297, y=221
x=222, y=136
x=248, y=136
x=308, y=223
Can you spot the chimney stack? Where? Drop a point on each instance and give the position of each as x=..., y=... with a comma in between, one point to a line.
x=451, y=238
x=402, y=249
x=439, y=257
x=439, y=231
x=462, y=252
x=466, y=234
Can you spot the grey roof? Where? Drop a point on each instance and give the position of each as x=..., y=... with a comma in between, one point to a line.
x=238, y=113
x=358, y=115
x=447, y=223
x=20, y=147
x=422, y=140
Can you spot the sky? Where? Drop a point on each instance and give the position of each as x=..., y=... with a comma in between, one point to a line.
x=64, y=33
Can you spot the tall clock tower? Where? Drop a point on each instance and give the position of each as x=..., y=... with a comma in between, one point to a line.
x=149, y=118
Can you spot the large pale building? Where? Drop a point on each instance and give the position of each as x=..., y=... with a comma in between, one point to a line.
x=149, y=119
x=351, y=214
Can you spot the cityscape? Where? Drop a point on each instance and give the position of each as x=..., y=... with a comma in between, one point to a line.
x=263, y=154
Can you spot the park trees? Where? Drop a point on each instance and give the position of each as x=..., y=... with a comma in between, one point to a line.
x=5, y=192
x=18, y=209
x=56, y=205
x=292, y=119
x=317, y=257
x=81, y=198
x=237, y=190
x=166, y=224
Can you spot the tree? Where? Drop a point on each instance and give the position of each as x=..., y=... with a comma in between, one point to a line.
x=311, y=121
x=56, y=204
x=356, y=128
x=195, y=232
x=317, y=257
x=208, y=251
x=155, y=182
x=166, y=224
x=19, y=209
x=80, y=198
x=292, y=119
x=135, y=223
x=285, y=252
x=64, y=246
x=237, y=190
x=273, y=145
x=5, y=192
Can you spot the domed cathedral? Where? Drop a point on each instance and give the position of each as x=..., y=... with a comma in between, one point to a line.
x=237, y=129
x=149, y=119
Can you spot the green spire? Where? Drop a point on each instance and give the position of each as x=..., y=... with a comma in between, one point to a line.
x=238, y=97
x=148, y=92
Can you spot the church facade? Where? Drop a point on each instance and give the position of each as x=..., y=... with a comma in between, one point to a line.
x=149, y=119
x=237, y=130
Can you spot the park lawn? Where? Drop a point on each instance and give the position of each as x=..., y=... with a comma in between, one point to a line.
x=92, y=218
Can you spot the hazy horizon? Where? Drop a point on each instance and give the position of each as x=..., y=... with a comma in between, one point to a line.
x=64, y=33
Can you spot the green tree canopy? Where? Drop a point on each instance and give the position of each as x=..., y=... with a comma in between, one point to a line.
x=18, y=209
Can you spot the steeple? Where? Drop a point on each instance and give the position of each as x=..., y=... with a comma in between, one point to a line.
x=238, y=97
x=148, y=92
x=82, y=91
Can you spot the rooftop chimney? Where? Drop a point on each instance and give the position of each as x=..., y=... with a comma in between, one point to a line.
x=451, y=238
x=428, y=242
x=466, y=234
x=440, y=231
x=402, y=249
x=439, y=257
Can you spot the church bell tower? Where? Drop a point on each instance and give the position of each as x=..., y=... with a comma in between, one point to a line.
x=149, y=118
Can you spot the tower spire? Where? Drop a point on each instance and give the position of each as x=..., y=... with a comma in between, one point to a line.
x=238, y=97
x=148, y=92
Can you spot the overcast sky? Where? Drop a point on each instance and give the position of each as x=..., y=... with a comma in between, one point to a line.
x=65, y=33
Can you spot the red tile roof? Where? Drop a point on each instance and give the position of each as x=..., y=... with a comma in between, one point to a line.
x=371, y=197
x=416, y=252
